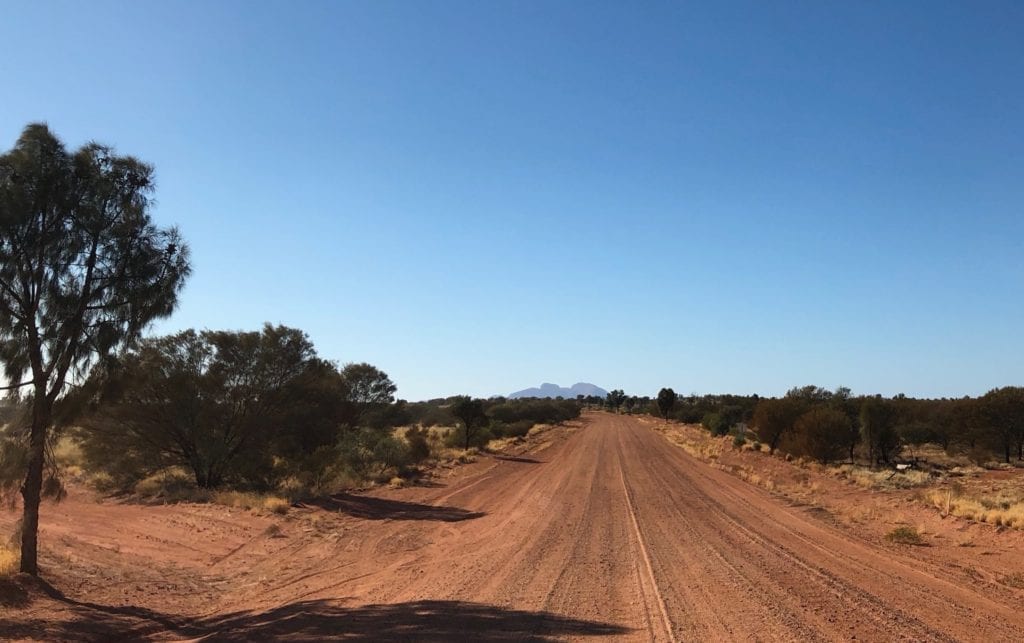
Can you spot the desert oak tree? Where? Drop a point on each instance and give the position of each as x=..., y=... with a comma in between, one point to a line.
x=83, y=270
x=666, y=400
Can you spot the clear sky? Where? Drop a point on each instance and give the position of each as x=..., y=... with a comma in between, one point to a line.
x=480, y=196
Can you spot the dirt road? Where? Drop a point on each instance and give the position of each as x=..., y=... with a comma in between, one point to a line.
x=605, y=530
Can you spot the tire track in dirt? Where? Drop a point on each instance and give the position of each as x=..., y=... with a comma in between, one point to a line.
x=651, y=580
x=789, y=554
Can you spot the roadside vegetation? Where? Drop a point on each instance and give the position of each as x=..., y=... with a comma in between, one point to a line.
x=875, y=442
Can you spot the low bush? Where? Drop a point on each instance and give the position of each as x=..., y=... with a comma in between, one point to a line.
x=419, y=445
x=171, y=485
x=457, y=439
x=905, y=535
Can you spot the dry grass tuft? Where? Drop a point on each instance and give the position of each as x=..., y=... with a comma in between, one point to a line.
x=1003, y=509
x=885, y=479
x=905, y=535
x=9, y=559
x=259, y=502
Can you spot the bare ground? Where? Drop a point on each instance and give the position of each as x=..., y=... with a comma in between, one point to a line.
x=603, y=529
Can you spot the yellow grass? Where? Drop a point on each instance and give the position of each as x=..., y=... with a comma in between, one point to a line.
x=9, y=559
x=68, y=452
x=884, y=479
x=1001, y=510
x=252, y=501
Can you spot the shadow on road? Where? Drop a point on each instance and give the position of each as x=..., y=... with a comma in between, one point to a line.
x=303, y=621
x=372, y=508
x=415, y=621
x=512, y=458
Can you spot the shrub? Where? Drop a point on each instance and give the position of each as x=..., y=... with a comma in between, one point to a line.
x=171, y=485
x=738, y=441
x=905, y=535
x=419, y=447
x=820, y=434
x=368, y=453
x=457, y=438
x=716, y=423
x=517, y=429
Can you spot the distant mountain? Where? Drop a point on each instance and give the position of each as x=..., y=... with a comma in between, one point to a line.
x=554, y=390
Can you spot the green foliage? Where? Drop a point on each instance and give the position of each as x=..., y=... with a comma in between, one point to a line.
x=369, y=453
x=83, y=270
x=534, y=411
x=878, y=419
x=432, y=413
x=615, y=399
x=517, y=429
x=717, y=423
x=774, y=418
x=820, y=434
x=1000, y=418
x=370, y=393
x=223, y=405
x=419, y=447
x=479, y=436
x=470, y=412
x=666, y=400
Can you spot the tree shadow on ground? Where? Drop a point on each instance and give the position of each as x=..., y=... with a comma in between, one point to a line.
x=512, y=458
x=414, y=621
x=372, y=508
x=67, y=619
x=304, y=621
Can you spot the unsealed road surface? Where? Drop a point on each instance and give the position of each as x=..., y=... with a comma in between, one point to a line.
x=607, y=531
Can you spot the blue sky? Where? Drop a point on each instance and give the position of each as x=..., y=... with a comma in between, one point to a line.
x=480, y=196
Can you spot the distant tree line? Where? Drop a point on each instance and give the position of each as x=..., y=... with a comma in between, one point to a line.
x=829, y=426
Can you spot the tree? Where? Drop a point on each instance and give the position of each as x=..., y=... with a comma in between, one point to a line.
x=221, y=404
x=471, y=413
x=842, y=400
x=368, y=385
x=1002, y=414
x=878, y=419
x=773, y=418
x=370, y=391
x=83, y=269
x=820, y=433
x=615, y=399
x=666, y=400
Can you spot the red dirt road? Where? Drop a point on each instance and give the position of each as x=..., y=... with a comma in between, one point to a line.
x=605, y=530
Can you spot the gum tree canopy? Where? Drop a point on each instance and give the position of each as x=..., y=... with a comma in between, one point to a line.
x=83, y=270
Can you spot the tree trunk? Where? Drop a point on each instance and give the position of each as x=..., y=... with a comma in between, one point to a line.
x=31, y=490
